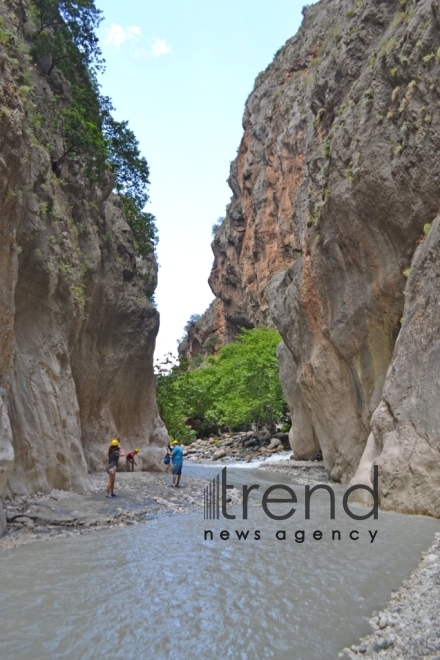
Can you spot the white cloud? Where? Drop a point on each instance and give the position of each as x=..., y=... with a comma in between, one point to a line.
x=117, y=35
x=160, y=47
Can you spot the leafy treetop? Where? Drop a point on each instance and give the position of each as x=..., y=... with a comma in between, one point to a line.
x=239, y=386
x=66, y=33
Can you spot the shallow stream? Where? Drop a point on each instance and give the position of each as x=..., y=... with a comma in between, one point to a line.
x=159, y=590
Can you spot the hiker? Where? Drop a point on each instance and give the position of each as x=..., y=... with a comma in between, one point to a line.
x=177, y=461
x=130, y=459
x=114, y=454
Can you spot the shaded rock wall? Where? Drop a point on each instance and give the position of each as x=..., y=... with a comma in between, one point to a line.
x=405, y=438
x=77, y=329
x=13, y=152
x=336, y=175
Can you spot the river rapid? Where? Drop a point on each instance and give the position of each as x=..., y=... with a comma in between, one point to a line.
x=160, y=590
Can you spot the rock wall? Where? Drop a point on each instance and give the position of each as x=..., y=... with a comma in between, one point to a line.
x=404, y=441
x=207, y=334
x=77, y=329
x=336, y=176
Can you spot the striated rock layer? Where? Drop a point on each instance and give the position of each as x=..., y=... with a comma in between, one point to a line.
x=336, y=177
x=77, y=329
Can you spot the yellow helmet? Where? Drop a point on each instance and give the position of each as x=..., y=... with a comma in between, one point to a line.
x=114, y=443
x=175, y=442
x=136, y=451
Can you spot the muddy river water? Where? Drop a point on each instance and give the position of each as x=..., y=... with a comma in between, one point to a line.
x=160, y=590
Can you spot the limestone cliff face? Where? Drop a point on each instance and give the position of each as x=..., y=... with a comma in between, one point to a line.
x=77, y=329
x=336, y=175
x=404, y=440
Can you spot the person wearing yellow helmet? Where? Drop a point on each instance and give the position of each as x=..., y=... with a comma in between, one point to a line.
x=176, y=455
x=114, y=454
x=130, y=459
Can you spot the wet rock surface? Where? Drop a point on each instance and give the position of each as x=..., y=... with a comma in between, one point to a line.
x=246, y=446
x=139, y=497
x=408, y=628
x=261, y=449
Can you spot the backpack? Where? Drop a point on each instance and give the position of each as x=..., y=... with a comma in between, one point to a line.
x=166, y=460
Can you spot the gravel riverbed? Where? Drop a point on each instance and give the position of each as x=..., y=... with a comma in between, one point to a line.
x=139, y=497
x=408, y=628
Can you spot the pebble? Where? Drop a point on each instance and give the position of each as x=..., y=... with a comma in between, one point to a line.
x=383, y=621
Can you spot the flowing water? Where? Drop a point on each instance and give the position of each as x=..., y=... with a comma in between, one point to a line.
x=159, y=590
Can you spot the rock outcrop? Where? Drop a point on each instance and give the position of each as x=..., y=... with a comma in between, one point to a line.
x=207, y=333
x=77, y=329
x=336, y=177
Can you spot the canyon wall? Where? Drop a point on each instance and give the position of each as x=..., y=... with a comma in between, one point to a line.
x=77, y=328
x=335, y=185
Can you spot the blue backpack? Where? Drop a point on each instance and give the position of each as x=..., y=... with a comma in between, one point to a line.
x=166, y=460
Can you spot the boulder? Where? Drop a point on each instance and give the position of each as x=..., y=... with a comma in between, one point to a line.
x=218, y=454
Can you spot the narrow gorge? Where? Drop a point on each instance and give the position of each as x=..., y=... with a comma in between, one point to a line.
x=332, y=236
x=214, y=489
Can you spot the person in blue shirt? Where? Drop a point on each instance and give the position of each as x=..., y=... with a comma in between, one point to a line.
x=177, y=460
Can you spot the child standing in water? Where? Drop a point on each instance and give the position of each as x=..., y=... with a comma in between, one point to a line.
x=114, y=454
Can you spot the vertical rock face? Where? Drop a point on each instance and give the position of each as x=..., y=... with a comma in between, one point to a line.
x=13, y=151
x=77, y=330
x=405, y=439
x=336, y=176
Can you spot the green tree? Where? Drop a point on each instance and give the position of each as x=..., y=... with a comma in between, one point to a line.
x=172, y=406
x=81, y=130
x=65, y=34
x=239, y=386
x=143, y=226
x=132, y=179
x=248, y=387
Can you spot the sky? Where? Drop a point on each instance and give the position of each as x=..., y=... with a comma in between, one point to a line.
x=180, y=72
